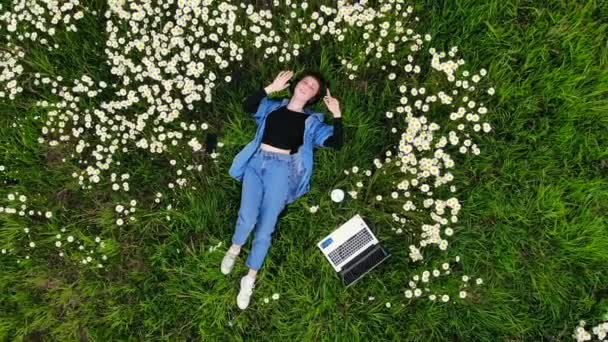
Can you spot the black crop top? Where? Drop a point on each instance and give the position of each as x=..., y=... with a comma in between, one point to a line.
x=285, y=128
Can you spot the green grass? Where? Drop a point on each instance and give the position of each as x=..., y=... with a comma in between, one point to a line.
x=533, y=223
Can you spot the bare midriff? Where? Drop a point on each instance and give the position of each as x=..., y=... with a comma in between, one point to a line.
x=271, y=148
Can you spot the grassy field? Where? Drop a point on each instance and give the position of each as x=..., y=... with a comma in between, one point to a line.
x=533, y=221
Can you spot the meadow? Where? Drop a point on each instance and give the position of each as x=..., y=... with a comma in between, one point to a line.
x=476, y=141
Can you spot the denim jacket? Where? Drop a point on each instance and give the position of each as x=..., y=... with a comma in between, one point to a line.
x=315, y=133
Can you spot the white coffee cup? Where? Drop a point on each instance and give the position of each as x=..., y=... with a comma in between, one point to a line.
x=337, y=195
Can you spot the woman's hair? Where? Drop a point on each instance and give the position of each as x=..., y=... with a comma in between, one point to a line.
x=323, y=84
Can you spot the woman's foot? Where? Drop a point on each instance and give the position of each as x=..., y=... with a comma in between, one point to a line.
x=244, y=296
x=229, y=259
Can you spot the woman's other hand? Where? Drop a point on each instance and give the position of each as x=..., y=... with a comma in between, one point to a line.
x=280, y=82
x=332, y=104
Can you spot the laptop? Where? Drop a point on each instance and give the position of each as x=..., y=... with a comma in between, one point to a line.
x=353, y=250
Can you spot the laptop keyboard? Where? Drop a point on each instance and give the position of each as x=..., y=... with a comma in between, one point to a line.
x=350, y=246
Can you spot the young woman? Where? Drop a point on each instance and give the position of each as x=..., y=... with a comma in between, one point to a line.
x=276, y=166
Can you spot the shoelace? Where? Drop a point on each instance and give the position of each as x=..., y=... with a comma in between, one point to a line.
x=250, y=289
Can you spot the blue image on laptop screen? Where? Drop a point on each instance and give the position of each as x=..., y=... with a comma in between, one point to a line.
x=327, y=242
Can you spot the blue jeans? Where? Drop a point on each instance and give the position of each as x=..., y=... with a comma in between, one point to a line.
x=266, y=182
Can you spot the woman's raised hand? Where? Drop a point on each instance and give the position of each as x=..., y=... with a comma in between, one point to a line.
x=332, y=104
x=280, y=82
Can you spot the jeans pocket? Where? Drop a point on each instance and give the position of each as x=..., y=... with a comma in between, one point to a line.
x=267, y=162
x=255, y=162
x=295, y=168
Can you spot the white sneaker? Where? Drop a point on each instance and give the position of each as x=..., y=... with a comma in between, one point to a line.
x=228, y=262
x=247, y=285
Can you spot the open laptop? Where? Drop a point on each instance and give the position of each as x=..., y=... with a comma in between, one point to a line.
x=353, y=250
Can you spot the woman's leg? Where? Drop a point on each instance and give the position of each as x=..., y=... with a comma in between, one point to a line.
x=251, y=196
x=275, y=180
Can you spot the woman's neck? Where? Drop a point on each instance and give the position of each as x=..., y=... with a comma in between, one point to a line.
x=296, y=105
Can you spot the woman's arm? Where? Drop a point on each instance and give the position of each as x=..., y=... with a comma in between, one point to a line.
x=251, y=103
x=337, y=139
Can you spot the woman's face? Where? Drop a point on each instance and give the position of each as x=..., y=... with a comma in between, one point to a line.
x=307, y=88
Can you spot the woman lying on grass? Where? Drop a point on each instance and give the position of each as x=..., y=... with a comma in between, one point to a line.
x=276, y=166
